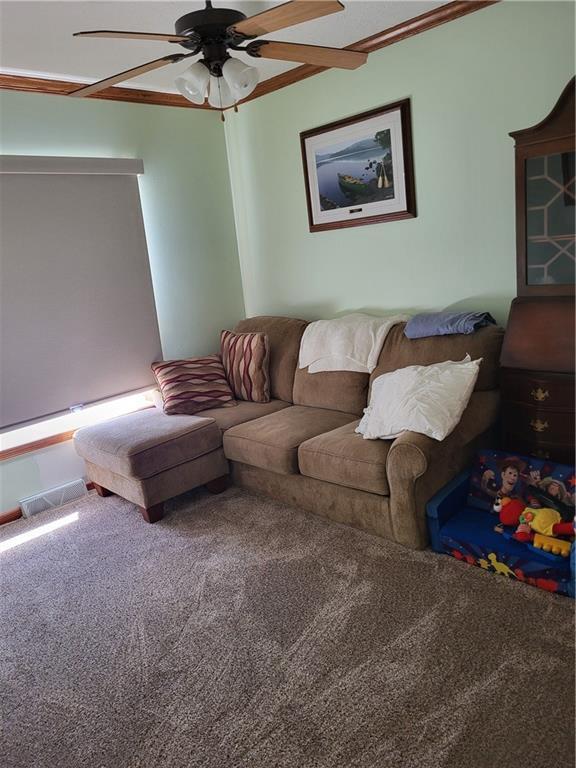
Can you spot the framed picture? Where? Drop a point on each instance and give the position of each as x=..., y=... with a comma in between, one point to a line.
x=359, y=170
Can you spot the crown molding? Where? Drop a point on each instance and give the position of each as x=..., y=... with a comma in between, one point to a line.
x=64, y=88
x=409, y=28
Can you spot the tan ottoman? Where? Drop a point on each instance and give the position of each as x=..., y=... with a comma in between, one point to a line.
x=148, y=457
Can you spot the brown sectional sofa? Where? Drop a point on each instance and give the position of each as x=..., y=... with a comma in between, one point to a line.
x=301, y=447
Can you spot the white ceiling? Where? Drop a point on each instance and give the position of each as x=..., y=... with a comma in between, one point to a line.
x=36, y=37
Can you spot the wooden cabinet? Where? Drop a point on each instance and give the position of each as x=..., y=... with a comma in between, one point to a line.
x=537, y=374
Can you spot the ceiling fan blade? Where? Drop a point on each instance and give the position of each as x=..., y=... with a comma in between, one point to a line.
x=88, y=90
x=285, y=15
x=308, y=54
x=133, y=35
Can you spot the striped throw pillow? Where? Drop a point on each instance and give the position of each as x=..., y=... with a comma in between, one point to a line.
x=246, y=359
x=193, y=385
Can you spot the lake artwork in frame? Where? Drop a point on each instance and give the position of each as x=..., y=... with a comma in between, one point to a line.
x=359, y=170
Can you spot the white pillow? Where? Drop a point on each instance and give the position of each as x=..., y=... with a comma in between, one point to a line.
x=429, y=399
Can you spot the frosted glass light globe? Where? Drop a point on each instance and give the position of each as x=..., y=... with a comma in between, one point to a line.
x=193, y=82
x=219, y=94
x=241, y=78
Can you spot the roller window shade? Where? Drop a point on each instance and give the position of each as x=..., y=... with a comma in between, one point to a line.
x=77, y=315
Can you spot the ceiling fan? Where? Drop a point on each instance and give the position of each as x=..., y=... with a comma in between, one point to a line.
x=213, y=32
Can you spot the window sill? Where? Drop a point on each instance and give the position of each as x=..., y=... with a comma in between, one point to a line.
x=34, y=437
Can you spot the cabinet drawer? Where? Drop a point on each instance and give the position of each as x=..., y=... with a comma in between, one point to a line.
x=544, y=390
x=538, y=423
x=562, y=453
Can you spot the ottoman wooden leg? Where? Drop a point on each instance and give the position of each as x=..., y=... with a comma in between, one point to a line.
x=101, y=491
x=218, y=485
x=153, y=514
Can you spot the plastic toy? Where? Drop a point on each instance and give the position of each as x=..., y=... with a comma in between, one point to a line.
x=461, y=520
x=548, y=544
x=523, y=532
x=545, y=521
x=530, y=521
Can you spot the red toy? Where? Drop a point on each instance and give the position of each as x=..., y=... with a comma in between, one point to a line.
x=509, y=510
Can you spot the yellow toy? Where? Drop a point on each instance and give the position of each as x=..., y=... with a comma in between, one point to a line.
x=543, y=520
x=500, y=567
x=548, y=544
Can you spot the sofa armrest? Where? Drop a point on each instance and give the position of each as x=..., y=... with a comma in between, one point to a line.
x=410, y=455
x=417, y=466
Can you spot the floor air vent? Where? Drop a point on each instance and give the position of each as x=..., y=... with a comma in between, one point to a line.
x=53, y=498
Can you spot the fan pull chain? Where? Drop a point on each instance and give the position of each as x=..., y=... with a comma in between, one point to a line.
x=220, y=100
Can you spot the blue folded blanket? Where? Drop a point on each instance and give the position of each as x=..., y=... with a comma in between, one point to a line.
x=444, y=323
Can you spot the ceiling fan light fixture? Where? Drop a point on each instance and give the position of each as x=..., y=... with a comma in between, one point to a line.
x=241, y=78
x=193, y=82
x=219, y=94
x=212, y=33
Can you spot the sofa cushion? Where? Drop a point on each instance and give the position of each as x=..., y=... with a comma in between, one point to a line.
x=399, y=352
x=284, y=334
x=343, y=457
x=337, y=390
x=244, y=411
x=245, y=357
x=271, y=442
x=196, y=384
x=144, y=443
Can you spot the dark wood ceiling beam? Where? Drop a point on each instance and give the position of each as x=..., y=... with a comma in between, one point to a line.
x=405, y=29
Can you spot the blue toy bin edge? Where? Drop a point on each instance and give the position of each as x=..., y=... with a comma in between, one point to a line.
x=444, y=504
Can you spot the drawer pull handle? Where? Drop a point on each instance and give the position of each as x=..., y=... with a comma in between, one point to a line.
x=538, y=425
x=540, y=394
x=541, y=454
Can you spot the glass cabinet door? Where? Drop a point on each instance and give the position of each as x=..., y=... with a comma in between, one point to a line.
x=550, y=219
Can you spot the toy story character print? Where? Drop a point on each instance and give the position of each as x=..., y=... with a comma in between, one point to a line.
x=539, y=483
x=552, y=492
x=506, y=483
x=531, y=476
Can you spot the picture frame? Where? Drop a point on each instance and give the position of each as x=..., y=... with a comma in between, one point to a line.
x=360, y=170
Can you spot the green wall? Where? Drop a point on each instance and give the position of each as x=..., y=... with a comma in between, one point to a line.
x=188, y=217
x=471, y=82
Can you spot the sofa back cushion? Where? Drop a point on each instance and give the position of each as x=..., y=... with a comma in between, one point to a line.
x=399, y=351
x=246, y=360
x=345, y=391
x=193, y=385
x=284, y=334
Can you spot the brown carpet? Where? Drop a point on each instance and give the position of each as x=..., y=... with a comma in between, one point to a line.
x=239, y=632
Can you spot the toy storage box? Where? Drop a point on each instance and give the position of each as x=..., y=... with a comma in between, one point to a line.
x=458, y=528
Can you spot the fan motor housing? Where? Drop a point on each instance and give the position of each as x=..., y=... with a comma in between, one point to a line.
x=209, y=24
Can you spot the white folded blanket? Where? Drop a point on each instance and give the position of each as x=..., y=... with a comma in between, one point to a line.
x=349, y=343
